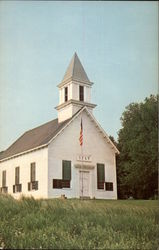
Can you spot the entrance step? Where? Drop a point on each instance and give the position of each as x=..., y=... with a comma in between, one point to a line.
x=85, y=197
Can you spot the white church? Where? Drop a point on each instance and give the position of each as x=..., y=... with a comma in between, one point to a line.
x=71, y=156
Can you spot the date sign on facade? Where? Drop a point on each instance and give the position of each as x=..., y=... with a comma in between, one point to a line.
x=85, y=158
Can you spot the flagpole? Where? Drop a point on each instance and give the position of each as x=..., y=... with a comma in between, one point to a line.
x=81, y=144
x=82, y=167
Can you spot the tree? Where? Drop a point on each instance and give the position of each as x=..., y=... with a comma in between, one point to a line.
x=113, y=140
x=137, y=169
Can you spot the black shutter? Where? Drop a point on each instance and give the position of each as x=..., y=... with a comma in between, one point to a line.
x=4, y=178
x=32, y=172
x=66, y=183
x=66, y=170
x=57, y=183
x=66, y=94
x=13, y=188
x=81, y=93
x=109, y=186
x=29, y=188
x=17, y=170
x=36, y=185
x=100, y=176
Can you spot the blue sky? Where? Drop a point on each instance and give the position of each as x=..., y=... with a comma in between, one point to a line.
x=116, y=42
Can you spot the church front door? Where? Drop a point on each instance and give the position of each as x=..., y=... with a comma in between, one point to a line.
x=84, y=184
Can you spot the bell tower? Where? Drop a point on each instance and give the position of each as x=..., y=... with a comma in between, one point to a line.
x=74, y=91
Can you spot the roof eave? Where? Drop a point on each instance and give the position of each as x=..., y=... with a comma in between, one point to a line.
x=24, y=152
x=61, y=84
x=72, y=101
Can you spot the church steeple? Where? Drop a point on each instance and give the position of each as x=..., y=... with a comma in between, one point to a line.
x=75, y=71
x=75, y=90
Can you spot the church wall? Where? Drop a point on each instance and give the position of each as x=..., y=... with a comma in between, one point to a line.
x=61, y=96
x=65, y=113
x=40, y=157
x=70, y=91
x=75, y=91
x=66, y=147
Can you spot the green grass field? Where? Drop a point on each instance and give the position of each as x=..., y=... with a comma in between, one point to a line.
x=78, y=224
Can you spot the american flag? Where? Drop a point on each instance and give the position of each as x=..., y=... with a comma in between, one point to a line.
x=81, y=134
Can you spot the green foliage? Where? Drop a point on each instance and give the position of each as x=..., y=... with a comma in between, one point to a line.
x=137, y=162
x=78, y=224
x=113, y=140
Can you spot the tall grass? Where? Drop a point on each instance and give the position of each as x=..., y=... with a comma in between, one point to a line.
x=78, y=224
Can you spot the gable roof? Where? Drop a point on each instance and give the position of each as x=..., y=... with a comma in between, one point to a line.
x=34, y=138
x=75, y=71
x=42, y=136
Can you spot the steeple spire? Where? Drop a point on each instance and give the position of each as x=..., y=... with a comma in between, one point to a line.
x=75, y=71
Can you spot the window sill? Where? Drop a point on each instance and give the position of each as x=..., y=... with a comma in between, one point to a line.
x=103, y=190
x=17, y=188
x=33, y=190
x=4, y=190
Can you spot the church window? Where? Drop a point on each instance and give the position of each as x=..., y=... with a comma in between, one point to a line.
x=109, y=186
x=33, y=184
x=17, y=187
x=4, y=178
x=57, y=183
x=66, y=174
x=66, y=94
x=32, y=172
x=4, y=189
x=100, y=176
x=81, y=93
x=17, y=171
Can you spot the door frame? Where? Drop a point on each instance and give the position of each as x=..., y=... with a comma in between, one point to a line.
x=84, y=171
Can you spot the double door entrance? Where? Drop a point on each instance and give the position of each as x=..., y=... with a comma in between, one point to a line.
x=84, y=183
